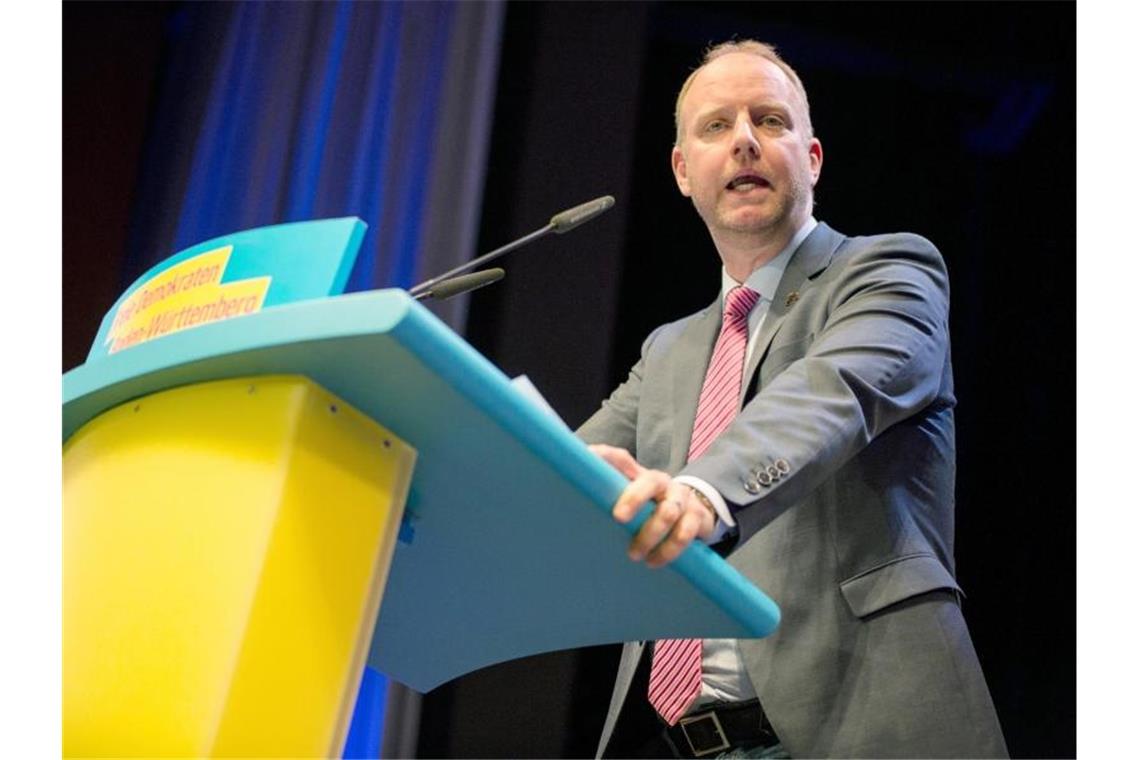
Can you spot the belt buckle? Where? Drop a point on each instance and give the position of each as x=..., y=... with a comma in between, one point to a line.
x=684, y=723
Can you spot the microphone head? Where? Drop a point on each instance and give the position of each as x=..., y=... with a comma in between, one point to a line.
x=465, y=283
x=572, y=217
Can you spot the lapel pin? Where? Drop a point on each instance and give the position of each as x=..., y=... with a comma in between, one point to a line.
x=792, y=298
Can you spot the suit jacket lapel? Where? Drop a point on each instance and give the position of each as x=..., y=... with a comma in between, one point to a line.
x=812, y=257
x=694, y=349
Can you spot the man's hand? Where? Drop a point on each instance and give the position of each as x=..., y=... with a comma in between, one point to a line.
x=679, y=517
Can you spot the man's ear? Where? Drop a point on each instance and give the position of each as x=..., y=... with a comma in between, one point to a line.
x=815, y=159
x=681, y=172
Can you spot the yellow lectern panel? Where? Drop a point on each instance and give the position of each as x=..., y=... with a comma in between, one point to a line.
x=225, y=548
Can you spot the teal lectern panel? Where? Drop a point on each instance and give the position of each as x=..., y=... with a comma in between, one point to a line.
x=231, y=275
x=508, y=548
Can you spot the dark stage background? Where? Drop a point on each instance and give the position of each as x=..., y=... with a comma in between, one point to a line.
x=955, y=121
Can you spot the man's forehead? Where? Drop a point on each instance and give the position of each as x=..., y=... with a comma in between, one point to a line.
x=734, y=75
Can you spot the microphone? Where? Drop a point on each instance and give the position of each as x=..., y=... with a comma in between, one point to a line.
x=559, y=223
x=464, y=283
x=572, y=217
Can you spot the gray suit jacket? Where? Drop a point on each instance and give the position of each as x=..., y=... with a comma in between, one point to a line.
x=850, y=385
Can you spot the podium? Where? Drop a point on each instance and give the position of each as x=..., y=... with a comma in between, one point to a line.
x=258, y=505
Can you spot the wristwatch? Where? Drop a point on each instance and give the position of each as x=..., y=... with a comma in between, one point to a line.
x=704, y=500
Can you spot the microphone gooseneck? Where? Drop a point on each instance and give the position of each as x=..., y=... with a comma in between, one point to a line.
x=559, y=223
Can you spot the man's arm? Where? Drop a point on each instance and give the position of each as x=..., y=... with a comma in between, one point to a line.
x=878, y=359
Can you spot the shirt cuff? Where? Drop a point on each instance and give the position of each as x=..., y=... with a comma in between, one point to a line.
x=725, y=521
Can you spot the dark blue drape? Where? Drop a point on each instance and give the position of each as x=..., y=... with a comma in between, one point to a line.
x=278, y=112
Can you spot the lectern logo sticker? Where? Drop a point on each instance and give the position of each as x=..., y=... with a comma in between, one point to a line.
x=187, y=294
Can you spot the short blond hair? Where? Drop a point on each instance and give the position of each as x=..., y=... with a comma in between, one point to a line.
x=751, y=47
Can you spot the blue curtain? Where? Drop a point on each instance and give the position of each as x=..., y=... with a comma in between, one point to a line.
x=277, y=112
x=270, y=112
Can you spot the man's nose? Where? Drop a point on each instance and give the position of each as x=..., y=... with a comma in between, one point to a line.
x=744, y=142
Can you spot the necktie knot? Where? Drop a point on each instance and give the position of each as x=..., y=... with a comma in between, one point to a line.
x=739, y=301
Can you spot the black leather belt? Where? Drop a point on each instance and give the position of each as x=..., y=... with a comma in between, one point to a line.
x=720, y=726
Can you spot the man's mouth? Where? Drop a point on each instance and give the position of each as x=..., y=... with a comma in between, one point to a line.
x=744, y=182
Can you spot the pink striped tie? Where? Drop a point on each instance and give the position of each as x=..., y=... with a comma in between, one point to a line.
x=675, y=677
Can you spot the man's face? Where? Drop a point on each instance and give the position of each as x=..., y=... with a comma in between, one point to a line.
x=745, y=158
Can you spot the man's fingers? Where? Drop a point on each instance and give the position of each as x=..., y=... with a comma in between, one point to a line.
x=683, y=533
x=620, y=459
x=677, y=519
x=650, y=484
x=655, y=529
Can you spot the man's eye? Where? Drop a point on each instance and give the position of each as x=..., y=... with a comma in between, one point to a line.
x=772, y=121
x=715, y=126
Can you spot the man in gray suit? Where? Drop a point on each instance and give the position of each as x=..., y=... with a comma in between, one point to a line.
x=829, y=481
